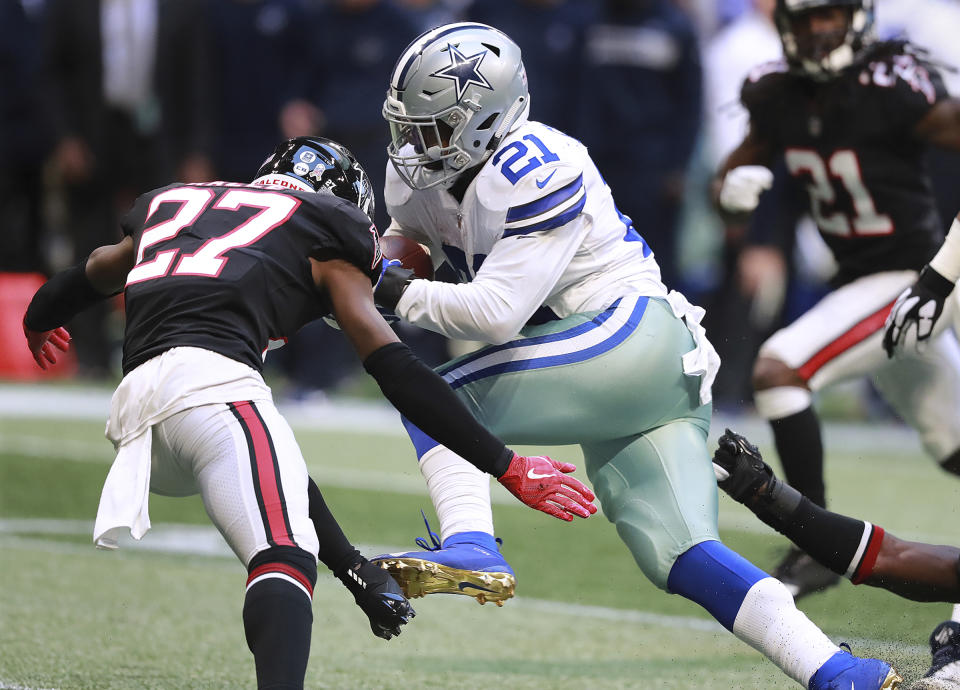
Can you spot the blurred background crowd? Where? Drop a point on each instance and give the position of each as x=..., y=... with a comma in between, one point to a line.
x=102, y=100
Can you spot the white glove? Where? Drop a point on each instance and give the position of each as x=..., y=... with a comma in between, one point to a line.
x=742, y=186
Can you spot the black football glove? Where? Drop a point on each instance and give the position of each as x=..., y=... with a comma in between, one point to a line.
x=917, y=308
x=740, y=469
x=379, y=596
x=394, y=279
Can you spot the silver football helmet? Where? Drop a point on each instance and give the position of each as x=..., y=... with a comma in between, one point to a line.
x=823, y=56
x=455, y=92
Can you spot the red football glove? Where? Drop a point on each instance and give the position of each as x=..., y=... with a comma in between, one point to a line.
x=42, y=344
x=541, y=483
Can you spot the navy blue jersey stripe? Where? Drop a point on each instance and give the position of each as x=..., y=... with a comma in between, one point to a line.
x=550, y=223
x=544, y=203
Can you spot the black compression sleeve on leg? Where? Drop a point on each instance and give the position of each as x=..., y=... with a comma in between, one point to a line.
x=336, y=551
x=427, y=401
x=797, y=438
x=61, y=298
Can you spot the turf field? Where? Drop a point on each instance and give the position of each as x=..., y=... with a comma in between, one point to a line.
x=165, y=613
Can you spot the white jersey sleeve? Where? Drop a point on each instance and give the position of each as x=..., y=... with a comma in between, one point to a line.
x=542, y=230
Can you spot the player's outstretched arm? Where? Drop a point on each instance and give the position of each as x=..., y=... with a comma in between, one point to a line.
x=427, y=401
x=863, y=552
x=68, y=293
x=919, y=307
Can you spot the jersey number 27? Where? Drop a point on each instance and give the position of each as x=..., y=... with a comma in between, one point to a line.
x=208, y=260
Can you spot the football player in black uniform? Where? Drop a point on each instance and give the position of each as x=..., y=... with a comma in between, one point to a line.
x=850, y=117
x=211, y=273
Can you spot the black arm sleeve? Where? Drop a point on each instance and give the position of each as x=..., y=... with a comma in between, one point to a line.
x=61, y=298
x=336, y=551
x=427, y=401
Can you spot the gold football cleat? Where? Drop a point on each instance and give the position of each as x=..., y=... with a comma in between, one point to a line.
x=418, y=578
x=892, y=681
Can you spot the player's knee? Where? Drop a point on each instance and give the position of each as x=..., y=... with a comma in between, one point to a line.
x=952, y=463
x=294, y=564
x=769, y=372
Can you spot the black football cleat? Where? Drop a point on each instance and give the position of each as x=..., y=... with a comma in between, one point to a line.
x=802, y=575
x=944, y=673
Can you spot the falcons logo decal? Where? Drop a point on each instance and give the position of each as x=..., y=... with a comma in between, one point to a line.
x=463, y=70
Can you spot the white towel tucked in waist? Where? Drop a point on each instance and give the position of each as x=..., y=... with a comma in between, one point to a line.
x=703, y=360
x=175, y=380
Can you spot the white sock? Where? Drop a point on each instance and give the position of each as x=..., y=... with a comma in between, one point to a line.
x=782, y=401
x=770, y=622
x=459, y=491
x=955, y=616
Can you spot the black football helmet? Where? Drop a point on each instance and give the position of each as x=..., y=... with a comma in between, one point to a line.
x=823, y=55
x=317, y=164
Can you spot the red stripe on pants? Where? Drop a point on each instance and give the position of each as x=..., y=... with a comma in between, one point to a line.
x=269, y=480
x=860, y=332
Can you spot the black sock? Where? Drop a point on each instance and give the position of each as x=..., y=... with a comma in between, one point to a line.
x=336, y=551
x=797, y=438
x=277, y=619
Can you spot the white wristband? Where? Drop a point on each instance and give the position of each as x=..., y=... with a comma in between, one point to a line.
x=947, y=260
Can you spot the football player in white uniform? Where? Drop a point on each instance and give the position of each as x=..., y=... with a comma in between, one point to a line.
x=585, y=346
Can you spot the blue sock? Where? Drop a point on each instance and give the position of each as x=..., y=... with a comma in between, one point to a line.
x=421, y=442
x=715, y=577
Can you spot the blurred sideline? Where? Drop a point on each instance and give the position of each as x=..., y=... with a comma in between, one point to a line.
x=19, y=401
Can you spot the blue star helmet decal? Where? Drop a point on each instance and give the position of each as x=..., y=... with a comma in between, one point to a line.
x=464, y=70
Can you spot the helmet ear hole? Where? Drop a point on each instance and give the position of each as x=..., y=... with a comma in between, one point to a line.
x=488, y=123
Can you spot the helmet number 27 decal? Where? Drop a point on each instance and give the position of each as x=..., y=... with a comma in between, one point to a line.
x=510, y=168
x=208, y=260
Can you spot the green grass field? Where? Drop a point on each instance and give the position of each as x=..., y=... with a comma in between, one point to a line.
x=584, y=617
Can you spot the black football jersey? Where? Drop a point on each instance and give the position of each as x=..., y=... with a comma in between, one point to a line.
x=850, y=142
x=226, y=267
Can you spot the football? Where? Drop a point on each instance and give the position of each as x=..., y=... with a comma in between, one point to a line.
x=411, y=254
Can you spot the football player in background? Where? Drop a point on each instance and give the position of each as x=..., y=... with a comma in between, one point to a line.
x=851, y=118
x=211, y=273
x=863, y=552
x=915, y=316
x=615, y=363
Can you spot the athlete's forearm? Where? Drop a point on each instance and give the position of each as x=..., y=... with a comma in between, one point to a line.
x=515, y=279
x=65, y=295
x=427, y=401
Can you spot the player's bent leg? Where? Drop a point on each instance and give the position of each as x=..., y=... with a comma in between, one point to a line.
x=278, y=614
x=924, y=388
x=783, y=398
x=760, y=611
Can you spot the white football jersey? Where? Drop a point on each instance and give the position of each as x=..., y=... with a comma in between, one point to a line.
x=537, y=226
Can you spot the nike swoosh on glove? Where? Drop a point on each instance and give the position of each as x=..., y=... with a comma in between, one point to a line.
x=542, y=483
x=742, y=187
x=379, y=596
